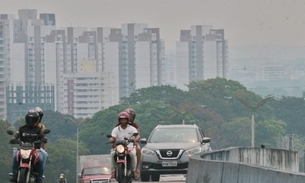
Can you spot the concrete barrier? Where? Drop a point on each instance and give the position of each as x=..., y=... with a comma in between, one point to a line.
x=245, y=165
x=276, y=158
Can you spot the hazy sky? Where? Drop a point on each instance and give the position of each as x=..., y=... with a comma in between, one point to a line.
x=246, y=22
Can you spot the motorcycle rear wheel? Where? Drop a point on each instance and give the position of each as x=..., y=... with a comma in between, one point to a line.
x=24, y=175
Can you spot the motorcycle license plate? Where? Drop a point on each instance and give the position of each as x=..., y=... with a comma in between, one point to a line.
x=169, y=163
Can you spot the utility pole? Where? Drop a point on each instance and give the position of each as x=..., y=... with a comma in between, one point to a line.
x=183, y=113
x=253, y=110
x=77, y=124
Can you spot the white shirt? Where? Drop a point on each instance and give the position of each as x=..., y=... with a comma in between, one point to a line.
x=119, y=133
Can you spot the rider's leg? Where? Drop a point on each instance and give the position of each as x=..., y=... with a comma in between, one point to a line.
x=138, y=150
x=45, y=156
x=112, y=164
x=14, y=168
x=134, y=163
x=39, y=166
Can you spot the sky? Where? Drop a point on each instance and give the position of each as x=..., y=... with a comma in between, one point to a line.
x=246, y=22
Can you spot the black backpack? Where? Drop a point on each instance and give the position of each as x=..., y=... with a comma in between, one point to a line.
x=62, y=181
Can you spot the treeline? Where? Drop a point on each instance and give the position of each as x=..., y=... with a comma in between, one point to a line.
x=215, y=105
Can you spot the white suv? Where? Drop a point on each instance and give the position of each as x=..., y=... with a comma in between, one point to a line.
x=168, y=148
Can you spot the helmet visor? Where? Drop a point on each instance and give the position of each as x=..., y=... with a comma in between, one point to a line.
x=31, y=120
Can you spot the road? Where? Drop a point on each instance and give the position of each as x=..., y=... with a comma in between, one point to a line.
x=172, y=178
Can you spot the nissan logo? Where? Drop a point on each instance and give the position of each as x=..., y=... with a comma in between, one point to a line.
x=169, y=153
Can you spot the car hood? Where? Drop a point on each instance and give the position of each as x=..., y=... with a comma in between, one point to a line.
x=172, y=145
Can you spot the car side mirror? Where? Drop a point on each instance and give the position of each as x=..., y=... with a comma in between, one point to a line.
x=206, y=140
x=143, y=141
x=135, y=134
x=46, y=131
x=10, y=132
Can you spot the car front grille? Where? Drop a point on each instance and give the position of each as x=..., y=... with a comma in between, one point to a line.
x=169, y=153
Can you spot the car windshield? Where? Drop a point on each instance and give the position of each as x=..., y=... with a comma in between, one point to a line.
x=97, y=171
x=174, y=135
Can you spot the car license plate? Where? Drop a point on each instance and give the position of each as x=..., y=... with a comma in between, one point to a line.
x=169, y=163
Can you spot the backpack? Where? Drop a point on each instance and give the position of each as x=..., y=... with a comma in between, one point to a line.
x=62, y=181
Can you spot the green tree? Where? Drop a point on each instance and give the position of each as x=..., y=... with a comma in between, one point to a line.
x=291, y=111
x=237, y=132
x=62, y=159
x=6, y=152
x=268, y=131
x=165, y=93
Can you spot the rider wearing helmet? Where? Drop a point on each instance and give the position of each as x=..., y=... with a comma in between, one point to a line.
x=132, y=114
x=43, y=145
x=31, y=119
x=62, y=179
x=121, y=131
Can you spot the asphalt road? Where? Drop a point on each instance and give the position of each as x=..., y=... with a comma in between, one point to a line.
x=172, y=178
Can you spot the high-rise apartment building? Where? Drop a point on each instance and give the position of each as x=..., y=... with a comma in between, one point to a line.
x=202, y=53
x=34, y=53
x=170, y=69
x=23, y=55
x=143, y=58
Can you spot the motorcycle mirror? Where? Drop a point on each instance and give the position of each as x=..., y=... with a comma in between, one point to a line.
x=10, y=132
x=109, y=136
x=135, y=134
x=46, y=131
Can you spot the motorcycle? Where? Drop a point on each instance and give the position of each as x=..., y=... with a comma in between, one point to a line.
x=27, y=157
x=124, y=171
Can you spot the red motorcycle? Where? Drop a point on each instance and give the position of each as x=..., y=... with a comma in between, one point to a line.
x=124, y=171
x=27, y=157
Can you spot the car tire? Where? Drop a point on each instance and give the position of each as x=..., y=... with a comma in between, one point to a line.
x=144, y=177
x=155, y=177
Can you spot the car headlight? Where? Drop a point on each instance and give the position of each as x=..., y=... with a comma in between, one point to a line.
x=148, y=152
x=120, y=148
x=192, y=151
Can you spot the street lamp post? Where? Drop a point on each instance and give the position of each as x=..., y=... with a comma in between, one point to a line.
x=184, y=113
x=77, y=124
x=253, y=110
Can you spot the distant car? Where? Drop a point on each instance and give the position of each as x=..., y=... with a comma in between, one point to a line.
x=95, y=174
x=168, y=149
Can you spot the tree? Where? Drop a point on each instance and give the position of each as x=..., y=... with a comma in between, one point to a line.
x=165, y=93
x=291, y=111
x=62, y=159
x=6, y=152
x=268, y=131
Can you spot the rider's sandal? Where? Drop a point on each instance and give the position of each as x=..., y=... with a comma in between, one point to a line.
x=136, y=175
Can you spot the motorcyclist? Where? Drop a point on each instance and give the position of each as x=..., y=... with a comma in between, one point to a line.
x=62, y=179
x=43, y=145
x=31, y=127
x=124, y=130
x=132, y=114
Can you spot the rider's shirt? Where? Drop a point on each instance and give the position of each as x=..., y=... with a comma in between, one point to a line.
x=120, y=133
x=27, y=134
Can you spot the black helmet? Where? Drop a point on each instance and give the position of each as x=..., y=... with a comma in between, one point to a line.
x=132, y=114
x=40, y=112
x=32, y=118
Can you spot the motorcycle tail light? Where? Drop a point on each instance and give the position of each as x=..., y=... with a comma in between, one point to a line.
x=120, y=148
x=25, y=154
